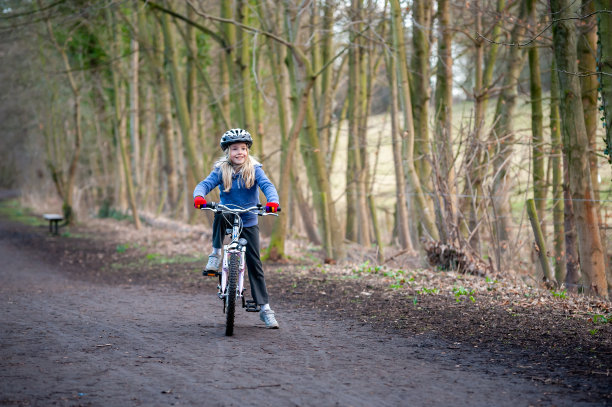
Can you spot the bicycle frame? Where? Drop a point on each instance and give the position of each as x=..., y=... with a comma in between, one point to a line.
x=237, y=246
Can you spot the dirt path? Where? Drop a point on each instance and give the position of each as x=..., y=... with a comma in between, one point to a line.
x=73, y=342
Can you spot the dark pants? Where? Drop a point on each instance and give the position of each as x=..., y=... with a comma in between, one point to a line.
x=259, y=292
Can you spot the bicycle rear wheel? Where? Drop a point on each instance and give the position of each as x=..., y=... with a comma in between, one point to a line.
x=230, y=300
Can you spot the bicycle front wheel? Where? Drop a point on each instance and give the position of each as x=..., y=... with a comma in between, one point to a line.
x=230, y=300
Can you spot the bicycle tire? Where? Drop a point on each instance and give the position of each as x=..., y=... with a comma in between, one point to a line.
x=230, y=300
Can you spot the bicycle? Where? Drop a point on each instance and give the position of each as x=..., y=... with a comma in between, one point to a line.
x=231, y=276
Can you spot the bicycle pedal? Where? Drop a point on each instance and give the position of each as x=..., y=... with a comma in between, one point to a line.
x=251, y=306
x=211, y=273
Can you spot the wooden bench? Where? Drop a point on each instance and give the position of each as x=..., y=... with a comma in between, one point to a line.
x=53, y=219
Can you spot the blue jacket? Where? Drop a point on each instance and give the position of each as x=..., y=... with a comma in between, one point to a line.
x=239, y=195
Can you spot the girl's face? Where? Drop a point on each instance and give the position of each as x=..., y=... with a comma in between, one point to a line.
x=238, y=153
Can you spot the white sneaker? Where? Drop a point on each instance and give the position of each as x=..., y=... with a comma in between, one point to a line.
x=267, y=316
x=214, y=261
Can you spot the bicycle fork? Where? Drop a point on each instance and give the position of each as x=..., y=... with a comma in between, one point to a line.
x=229, y=250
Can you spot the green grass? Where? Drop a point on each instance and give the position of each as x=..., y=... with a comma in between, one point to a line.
x=156, y=258
x=12, y=210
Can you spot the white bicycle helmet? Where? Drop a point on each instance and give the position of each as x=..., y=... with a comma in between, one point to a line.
x=236, y=136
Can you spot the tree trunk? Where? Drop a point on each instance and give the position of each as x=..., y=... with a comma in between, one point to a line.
x=245, y=74
x=120, y=122
x=352, y=228
x=589, y=240
x=587, y=49
x=202, y=146
x=572, y=258
x=604, y=67
x=403, y=229
x=166, y=129
x=327, y=90
x=180, y=99
x=331, y=233
x=134, y=90
x=277, y=241
x=587, y=63
x=537, y=130
x=366, y=232
x=321, y=187
x=443, y=126
x=504, y=136
x=276, y=54
x=540, y=241
x=227, y=71
x=67, y=206
x=482, y=82
x=305, y=212
x=556, y=157
x=150, y=142
x=421, y=91
x=424, y=209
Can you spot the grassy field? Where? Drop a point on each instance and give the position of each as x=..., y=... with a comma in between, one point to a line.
x=383, y=166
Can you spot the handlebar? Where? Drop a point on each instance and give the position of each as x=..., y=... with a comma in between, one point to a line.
x=220, y=208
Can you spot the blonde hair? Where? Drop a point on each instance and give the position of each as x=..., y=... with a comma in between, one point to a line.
x=228, y=170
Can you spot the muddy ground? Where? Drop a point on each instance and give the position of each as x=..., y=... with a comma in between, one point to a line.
x=100, y=316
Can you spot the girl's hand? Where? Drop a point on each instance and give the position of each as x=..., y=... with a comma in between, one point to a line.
x=272, y=207
x=199, y=202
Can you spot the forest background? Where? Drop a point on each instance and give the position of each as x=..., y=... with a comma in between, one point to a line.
x=413, y=126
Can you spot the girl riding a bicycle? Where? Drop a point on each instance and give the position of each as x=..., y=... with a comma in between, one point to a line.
x=238, y=175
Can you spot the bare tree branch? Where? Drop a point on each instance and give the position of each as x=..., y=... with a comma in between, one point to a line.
x=524, y=44
x=200, y=27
